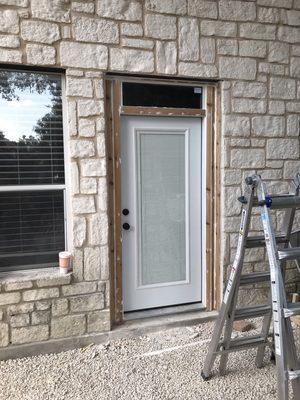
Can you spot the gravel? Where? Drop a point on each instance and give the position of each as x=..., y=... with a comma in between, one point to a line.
x=161, y=365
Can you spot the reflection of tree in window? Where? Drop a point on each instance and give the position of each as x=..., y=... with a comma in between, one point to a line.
x=37, y=157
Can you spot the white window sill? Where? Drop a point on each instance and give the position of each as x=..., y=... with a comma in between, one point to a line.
x=42, y=276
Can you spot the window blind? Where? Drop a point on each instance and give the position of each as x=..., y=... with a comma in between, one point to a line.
x=32, y=230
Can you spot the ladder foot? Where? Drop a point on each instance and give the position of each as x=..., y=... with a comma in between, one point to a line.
x=205, y=377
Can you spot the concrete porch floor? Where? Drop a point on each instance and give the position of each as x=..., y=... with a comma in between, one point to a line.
x=164, y=364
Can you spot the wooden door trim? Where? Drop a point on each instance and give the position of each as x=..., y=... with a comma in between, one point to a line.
x=213, y=249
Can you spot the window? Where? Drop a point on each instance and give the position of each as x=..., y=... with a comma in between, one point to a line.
x=151, y=95
x=32, y=178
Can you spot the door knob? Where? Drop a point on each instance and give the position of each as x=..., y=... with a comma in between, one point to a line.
x=126, y=226
x=125, y=211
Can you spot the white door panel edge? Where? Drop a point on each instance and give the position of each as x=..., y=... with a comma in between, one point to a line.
x=162, y=189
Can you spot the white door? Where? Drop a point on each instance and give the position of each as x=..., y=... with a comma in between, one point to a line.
x=161, y=161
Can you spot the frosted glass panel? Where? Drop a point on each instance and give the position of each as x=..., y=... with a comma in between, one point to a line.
x=161, y=196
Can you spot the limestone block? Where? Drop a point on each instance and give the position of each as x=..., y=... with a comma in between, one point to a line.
x=40, y=317
x=29, y=334
x=79, y=288
x=98, y=232
x=237, y=68
x=237, y=10
x=38, y=294
x=38, y=31
x=196, y=69
x=72, y=118
x=104, y=262
x=166, y=57
x=52, y=10
x=293, y=17
x=9, y=21
x=251, y=106
x=9, y=41
x=12, y=285
x=93, y=167
x=276, y=107
x=282, y=148
x=289, y=34
x=247, y=158
x=131, y=29
x=74, y=178
x=203, y=9
x=291, y=168
x=251, y=30
x=68, y=325
x=208, y=50
x=9, y=298
x=218, y=28
x=166, y=6
x=4, y=338
x=42, y=55
x=79, y=87
x=43, y=305
x=101, y=145
x=188, y=39
x=235, y=125
x=231, y=205
x=276, y=3
x=282, y=88
x=83, y=55
x=17, y=3
x=253, y=48
x=60, y=306
x=88, y=302
x=86, y=128
x=87, y=108
x=293, y=106
x=79, y=231
x=82, y=148
x=268, y=126
x=278, y=52
x=293, y=123
x=268, y=15
x=129, y=10
x=250, y=89
x=295, y=67
x=87, y=29
x=10, y=56
x=83, y=204
x=92, y=263
x=83, y=7
x=20, y=308
x=102, y=198
x=140, y=43
x=232, y=177
x=78, y=264
x=88, y=185
x=98, y=321
x=160, y=26
x=227, y=47
x=16, y=321
x=131, y=60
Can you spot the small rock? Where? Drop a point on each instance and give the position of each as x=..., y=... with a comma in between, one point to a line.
x=243, y=326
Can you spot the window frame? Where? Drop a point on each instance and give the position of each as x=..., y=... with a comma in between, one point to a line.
x=40, y=187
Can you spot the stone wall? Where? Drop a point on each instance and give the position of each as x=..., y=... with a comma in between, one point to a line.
x=251, y=46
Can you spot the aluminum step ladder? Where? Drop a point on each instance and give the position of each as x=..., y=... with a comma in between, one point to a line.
x=279, y=251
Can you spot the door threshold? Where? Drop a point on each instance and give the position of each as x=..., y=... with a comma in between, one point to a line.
x=156, y=312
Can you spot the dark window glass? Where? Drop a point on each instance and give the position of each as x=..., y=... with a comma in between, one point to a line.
x=31, y=228
x=148, y=95
x=31, y=153
x=31, y=129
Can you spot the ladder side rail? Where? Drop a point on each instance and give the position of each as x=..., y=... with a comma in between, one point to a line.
x=278, y=300
x=235, y=274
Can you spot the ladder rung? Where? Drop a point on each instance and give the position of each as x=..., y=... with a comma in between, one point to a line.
x=281, y=201
x=292, y=309
x=254, y=277
x=292, y=253
x=294, y=374
x=251, y=312
x=259, y=241
x=243, y=343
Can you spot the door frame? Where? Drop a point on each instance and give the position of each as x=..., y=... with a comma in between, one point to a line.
x=210, y=115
